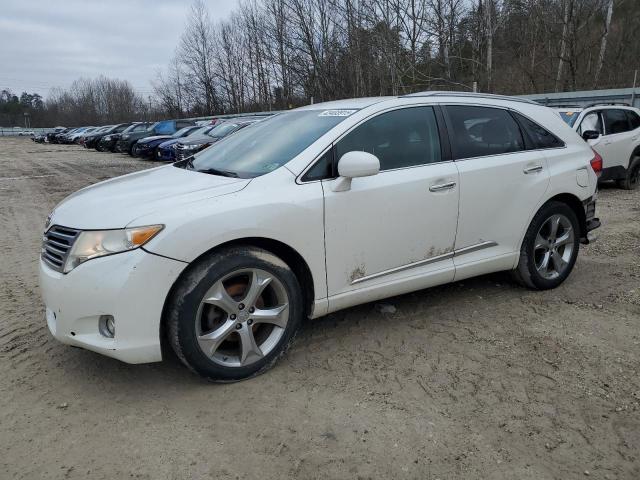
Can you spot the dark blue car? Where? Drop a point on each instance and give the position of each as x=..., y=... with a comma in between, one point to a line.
x=166, y=152
x=146, y=147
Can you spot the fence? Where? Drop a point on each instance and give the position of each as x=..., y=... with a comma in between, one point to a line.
x=18, y=132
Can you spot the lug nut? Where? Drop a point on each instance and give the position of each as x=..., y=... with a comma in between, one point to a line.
x=232, y=316
x=241, y=306
x=238, y=326
x=251, y=310
x=249, y=322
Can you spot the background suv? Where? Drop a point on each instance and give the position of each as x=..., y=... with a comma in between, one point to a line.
x=166, y=127
x=309, y=212
x=614, y=132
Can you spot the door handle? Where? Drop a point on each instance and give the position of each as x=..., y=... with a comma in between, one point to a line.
x=442, y=186
x=536, y=169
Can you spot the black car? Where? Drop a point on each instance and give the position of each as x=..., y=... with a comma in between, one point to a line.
x=191, y=145
x=93, y=140
x=165, y=127
x=146, y=147
x=54, y=137
x=110, y=141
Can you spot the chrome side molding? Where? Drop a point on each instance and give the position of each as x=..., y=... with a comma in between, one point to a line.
x=427, y=261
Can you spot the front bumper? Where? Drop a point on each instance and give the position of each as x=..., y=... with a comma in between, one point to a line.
x=166, y=154
x=131, y=286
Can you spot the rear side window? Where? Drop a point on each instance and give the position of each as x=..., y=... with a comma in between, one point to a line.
x=615, y=121
x=634, y=119
x=165, y=128
x=591, y=121
x=401, y=138
x=482, y=131
x=540, y=137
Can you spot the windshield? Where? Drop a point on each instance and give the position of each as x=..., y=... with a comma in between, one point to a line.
x=181, y=132
x=268, y=144
x=569, y=116
x=223, y=130
x=200, y=131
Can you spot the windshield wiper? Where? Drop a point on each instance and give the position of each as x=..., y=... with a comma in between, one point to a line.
x=215, y=171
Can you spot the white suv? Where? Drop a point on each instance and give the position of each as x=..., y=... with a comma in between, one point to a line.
x=309, y=212
x=614, y=132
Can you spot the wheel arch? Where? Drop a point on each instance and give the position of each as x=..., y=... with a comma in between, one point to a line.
x=288, y=254
x=576, y=205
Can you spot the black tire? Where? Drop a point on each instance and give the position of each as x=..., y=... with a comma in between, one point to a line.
x=632, y=179
x=184, y=303
x=526, y=273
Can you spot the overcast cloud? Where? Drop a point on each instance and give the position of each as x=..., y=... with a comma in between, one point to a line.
x=50, y=43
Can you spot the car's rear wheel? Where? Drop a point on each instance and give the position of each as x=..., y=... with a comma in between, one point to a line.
x=234, y=313
x=632, y=179
x=550, y=247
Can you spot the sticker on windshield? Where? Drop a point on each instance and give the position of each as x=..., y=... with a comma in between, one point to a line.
x=337, y=113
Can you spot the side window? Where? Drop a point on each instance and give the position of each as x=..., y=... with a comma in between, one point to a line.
x=481, y=131
x=322, y=169
x=400, y=138
x=540, y=137
x=164, y=128
x=634, y=119
x=591, y=121
x=615, y=121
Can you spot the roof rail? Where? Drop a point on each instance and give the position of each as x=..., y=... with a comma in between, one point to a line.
x=444, y=93
x=566, y=105
x=598, y=104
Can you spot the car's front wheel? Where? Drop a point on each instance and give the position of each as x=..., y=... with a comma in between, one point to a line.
x=234, y=313
x=550, y=247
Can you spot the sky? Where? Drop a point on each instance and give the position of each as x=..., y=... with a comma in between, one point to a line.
x=50, y=43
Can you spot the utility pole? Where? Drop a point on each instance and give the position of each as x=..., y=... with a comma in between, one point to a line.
x=633, y=92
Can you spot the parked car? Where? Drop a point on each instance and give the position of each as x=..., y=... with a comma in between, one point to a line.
x=166, y=151
x=189, y=146
x=40, y=137
x=52, y=137
x=230, y=250
x=166, y=127
x=26, y=133
x=614, y=132
x=110, y=141
x=146, y=147
x=86, y=139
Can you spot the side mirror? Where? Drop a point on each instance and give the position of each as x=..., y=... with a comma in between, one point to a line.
x=590, y=135
x=353, y=165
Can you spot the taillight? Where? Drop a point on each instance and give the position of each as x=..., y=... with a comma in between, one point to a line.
x=596, y=163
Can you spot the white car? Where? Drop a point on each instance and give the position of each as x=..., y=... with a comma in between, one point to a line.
x=614, y=132
x=314, y=210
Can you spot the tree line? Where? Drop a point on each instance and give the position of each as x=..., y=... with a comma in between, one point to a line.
x=98, y=101
x=278, y=54
x=274, y=54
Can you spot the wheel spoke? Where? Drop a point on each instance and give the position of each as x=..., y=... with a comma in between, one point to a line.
x=276, y=315
x=567, y=237
x=249, y=350
x=544, y=265
x=209, y=342
x=219, y=297
x=541, y=243
x=256, y=287
x=555, y=223
x=558, y=262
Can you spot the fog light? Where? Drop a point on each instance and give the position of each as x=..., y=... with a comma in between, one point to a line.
x=107, y=326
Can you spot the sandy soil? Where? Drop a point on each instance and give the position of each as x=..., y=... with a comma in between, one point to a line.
x=480, y=379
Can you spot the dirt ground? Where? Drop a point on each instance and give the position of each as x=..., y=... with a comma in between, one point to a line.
x=480, y=379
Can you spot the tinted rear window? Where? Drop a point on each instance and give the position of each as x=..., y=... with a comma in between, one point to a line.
x=634, y=119
x=483, y=131
x=615, y=121
x=540, y=137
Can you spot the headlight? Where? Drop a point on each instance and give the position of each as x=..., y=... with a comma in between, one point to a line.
x=107, y=138
x=191, y=147
x=98, y=243
x=125, y=137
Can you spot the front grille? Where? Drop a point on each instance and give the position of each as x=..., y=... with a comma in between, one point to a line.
x=56, y=245
x=182, y=152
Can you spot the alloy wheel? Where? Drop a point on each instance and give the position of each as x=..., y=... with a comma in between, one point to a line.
x=242, y=317
x=554, y=246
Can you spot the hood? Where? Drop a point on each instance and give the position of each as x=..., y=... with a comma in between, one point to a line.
x=154, y=138
x=168, y=143
x=117, y=202
x=199, y=140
